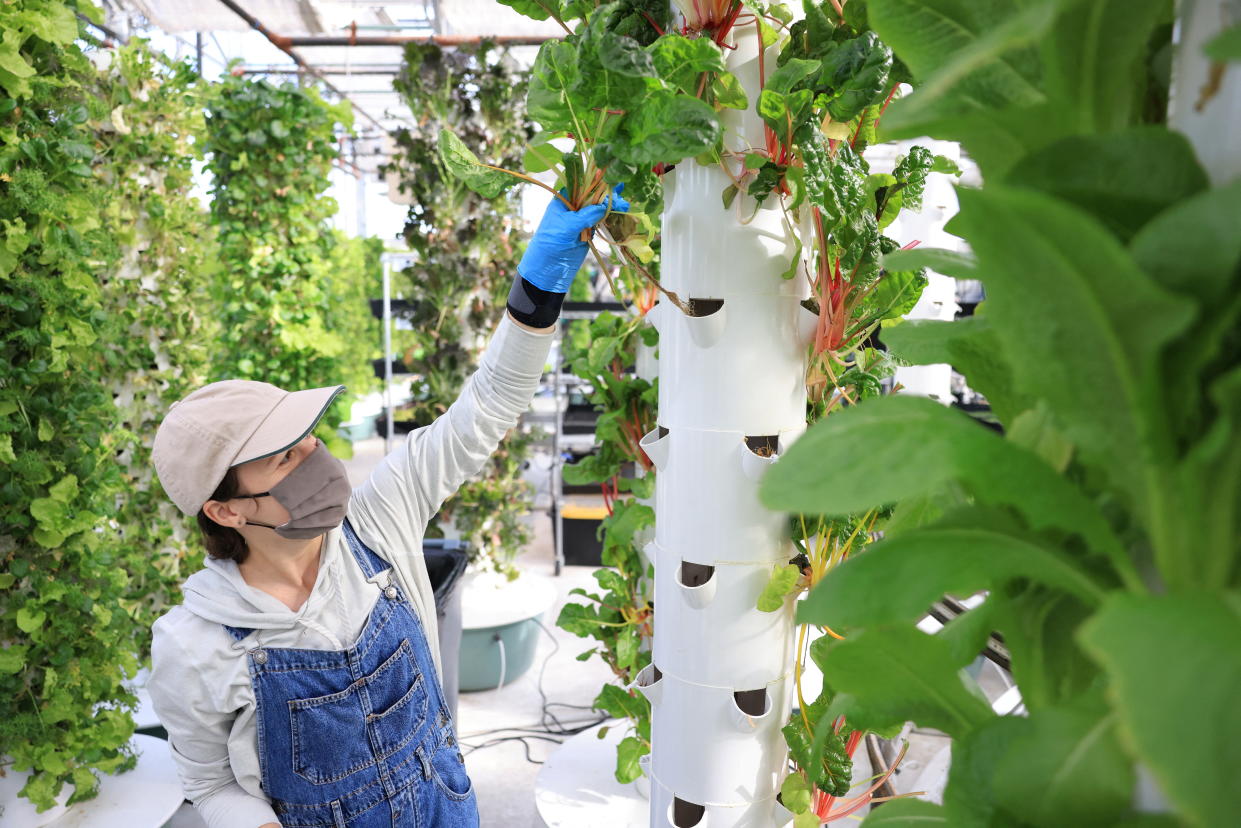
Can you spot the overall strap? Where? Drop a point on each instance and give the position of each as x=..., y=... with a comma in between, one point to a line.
x=370, y=563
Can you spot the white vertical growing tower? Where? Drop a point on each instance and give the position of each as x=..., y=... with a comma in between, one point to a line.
x=732, y=398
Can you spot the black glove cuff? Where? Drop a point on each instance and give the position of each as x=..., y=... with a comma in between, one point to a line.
x=533, y=306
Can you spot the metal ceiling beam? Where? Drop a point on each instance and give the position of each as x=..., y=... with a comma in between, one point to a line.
x=284, y=45
x=401, y=40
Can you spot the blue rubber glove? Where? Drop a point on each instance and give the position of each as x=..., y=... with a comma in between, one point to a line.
x=556, y=251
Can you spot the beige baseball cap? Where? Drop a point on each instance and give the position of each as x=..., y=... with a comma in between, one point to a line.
x=225, y=424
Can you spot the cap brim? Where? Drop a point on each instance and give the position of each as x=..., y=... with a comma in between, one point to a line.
x=288, y=423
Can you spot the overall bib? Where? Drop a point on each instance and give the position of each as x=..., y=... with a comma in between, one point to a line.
x=360, y=738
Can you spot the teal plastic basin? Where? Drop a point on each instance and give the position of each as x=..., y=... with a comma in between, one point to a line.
x=480, y=663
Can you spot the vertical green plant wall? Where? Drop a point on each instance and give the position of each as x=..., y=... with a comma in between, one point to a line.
x=271, y=149
x=468, y=247
x=148, y=125
x=67, y=641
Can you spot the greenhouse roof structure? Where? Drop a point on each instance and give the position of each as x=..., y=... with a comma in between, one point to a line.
x=354, y=48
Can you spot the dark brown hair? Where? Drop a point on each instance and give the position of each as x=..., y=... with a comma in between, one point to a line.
x=223, y=542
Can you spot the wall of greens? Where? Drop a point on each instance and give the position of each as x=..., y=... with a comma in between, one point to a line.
x=112, y=305
x=281, y=316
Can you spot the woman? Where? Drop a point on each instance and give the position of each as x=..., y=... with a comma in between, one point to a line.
x=299, y=682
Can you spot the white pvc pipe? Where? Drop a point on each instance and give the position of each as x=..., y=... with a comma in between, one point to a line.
x=1205, y=102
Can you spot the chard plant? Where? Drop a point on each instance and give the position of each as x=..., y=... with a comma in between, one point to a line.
x=620, y=615
x=1102, y=525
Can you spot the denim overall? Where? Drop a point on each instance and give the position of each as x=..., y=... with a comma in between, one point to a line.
x=360, y=738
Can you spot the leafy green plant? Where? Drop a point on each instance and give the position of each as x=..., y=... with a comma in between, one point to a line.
x=620, y=616
x=1102, y=524
x=67, y=642
x=147, y=118
x=271, y=149
x=467, y=251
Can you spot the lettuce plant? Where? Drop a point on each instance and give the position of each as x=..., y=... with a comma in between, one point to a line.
x=1103, y=524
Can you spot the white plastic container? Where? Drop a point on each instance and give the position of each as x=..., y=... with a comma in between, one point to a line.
x=710, y=749
x=726, y=641
x=706, y=497
x=743, y=372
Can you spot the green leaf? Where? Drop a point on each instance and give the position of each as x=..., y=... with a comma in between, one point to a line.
x=911, y=446
x=65, y=490
x=906, y=813
x=1063, y=766
x=856, y=72
x=668, y=128
x=463, y=164
x=1122, y=179
x=681, y=61
x=1094, y=71
x=1194, y=247
x=53, y=23
x=536, y=9
x=1224, y=46
x=969, y=800
x=900, y=674
x=899, y=578
x=795, y=793
x=13, y=658
x=1181, y=717
x=628, y=752
x=728, y=91
x=968, y=345
x=29, y=620
x=778, y=588
x=1091, y=348
x=541, y=156
x=783, y=80
x=549, y=101
x=806, y=820
x=11, y=59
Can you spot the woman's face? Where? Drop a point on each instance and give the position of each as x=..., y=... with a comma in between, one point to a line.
x=262, y=476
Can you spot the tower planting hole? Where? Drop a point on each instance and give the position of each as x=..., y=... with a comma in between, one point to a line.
x=704, y=307
x=693, y=574
x=765, y=445
x=663, y=432
x=686, y=814
x=751, y=702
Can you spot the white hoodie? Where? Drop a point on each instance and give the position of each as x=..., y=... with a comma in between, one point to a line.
x=200, y=681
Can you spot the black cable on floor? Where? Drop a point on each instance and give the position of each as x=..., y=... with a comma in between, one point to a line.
x=546, y=732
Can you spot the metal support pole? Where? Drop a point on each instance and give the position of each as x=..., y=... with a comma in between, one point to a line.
x=387, y=323
x=198, y=53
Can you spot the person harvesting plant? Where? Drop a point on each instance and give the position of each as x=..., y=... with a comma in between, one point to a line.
x=299, y=682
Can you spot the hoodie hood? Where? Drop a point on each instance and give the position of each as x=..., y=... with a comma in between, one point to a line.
x=218, y=593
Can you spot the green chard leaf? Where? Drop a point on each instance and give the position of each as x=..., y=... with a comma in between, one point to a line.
x=456, y=156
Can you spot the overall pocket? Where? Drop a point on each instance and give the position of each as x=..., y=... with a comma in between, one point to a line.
x=330, y=733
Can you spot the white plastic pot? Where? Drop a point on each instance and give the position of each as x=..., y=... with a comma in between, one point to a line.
x=749, y=378
x=726, y=643
x=706, y=499
x=709, y=750
x=736, y=259
x=763, y=813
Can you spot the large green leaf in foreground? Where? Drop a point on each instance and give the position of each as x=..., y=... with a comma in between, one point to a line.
x=1181, y=711
x=910, y=446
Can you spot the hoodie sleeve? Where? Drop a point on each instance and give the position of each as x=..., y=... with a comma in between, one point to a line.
x=198, y=736
x=409, y=484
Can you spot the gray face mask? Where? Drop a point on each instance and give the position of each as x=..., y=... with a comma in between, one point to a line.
x=316, y=494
